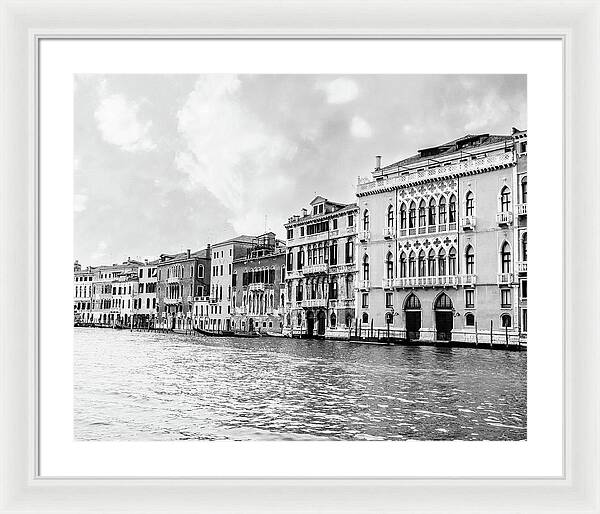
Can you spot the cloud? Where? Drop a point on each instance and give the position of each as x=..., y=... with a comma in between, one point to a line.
x=359, y=127
x=99, y=255
x=79, y=203
x=232, y=152
x=117, y=121
x=340, y=91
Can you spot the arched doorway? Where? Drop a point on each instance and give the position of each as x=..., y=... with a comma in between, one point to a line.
x=321, y=323
x=310, y=323
x=250, y=325
x=443, y=317
x=412, y=312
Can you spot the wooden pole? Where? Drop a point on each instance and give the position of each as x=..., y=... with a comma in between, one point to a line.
x=371, y=328
x=476, y=335
x=491, y=328
x=506, y=333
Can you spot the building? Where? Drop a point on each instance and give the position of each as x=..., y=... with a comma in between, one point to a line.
x=258, y=285
x=321, y=269
x=146, y=306
x=124, y=300
x=200, y=312
x=221, y=273
x=180, y=278
x=520, y=141
x=439, y=238
x=82, y=293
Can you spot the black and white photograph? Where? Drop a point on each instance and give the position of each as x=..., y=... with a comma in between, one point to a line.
x=294, y=257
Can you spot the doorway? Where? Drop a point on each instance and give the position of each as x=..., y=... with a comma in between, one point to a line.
x=321, y=323
x=310, y=323
x=412, y=312
x=444, y=318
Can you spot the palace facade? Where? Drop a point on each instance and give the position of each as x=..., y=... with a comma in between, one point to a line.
x=82, y=293
x=440, y=241
x=321, y=269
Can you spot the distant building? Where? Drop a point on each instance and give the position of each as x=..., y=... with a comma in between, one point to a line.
x=180, y=278
x=125, y=296
x=439, y=241
x=82, y=293
x=200, y=312
x=258, y=285
x=520, y=142
x=146, y=306
x=221, y=270
x=321, y=269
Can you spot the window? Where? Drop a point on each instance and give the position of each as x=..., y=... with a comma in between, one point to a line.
x=452, y=262
x=442, y=263
x=403, y=216
x=389, y=301
x=505, y=298
x=422, y=213
x=524, y=190
x=365, y=300
x=469, y=204
x=390, y=216
x=412, y=265
x=366, y=267
x=432, y=211
x=442, y=211
x=335, y=224
x=505, y=199
x=523, y=147
x=452, y=210
x=403, y=265
x=290, y=261
x=505, y=258
x=141, y=273
x=389, y=266
x=332, y=320
x=469, y=260
x=524, y=289
x=349, y=251
x=524, y=320
x=350, y=220
x=469, y=319
x=412, y=303
x=300, y=263
x=469, y=298
x=366, y=221
x=301, y=231
x=421, y=263
x=524, y=247
x=333, y=254
x=506, y=321
x=443, y=302
x=365, y=317
x=412, y=215
x=431, y=263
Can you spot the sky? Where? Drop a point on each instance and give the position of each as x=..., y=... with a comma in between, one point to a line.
x=163, y=163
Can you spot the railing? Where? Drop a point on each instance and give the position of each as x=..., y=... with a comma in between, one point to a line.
x=364, y=284
x=351, y=230
x=389, y=232
x=468, y=222
x=367, y=185
x=334, y=232
x=504, y=218
x=342, y=268
x=315, y=302
x=172, y=301
x=522, y=209
x=256, y=286
x=294, y=274
x=522, y=266
x=468, y=280
x=429, y=281
x=173, y=280
x=387, y=283
x=505, y=278
x=364, y=235
x=315, y=268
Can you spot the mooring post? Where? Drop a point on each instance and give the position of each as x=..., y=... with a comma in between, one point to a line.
x=491, y=328
x=506, y=332
x=371, y=328
x=476, y=335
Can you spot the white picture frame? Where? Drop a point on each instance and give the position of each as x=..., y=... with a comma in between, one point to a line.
x=22, y=24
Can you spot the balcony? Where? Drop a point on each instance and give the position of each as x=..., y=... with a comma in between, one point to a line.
x=387, y=283
x=315, y=302
x=315, y=268
x=364, y=285
x=522, y=209
x=342, y=268
x=468, y=223
x=389, y=233
x=334, y=233
x=351, y=230
x=505, y=279
x=172, y=301
x=504, y=218
x=257, y=286
x=294, y=274
x=442, y=281
x=468, y=280
x=364, y=236
x=522, y=266
x=173, y=280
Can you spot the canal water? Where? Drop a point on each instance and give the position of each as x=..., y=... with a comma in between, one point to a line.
x=147, y=386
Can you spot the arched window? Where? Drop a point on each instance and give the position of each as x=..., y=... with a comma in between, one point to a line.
x=403, y=216
x=431, y=263
x=288, y=319
x=366, y=220
x=200, y=271
x=402, y=265
x=299, y=320
x=506, y=320
x=505, y=258
x=452, y=210
x=422, y=214
x=332, y=320
x=412, y=303
x=348, y=320
x=469, y=260
x=412, y=215
x=505, y=199
x=524, y=190
x=443, y=302
x=442, y=211
x=300, y=292
x=365, y=317
x=412, y=268
x=432, y=211
x=469, y=204
x=524, y=247
x=390, y=216
x=469, y=319
x=421, y=263
x=442, y=263
x=366, y=267
x=389, y=266
x=452, y=262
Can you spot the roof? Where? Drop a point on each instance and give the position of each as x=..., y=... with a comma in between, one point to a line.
x=448, y=148
x=200, y=254
x=312, y=217
x=318, y=199
x=238, y=239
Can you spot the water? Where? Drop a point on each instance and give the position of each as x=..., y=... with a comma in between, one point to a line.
x=145, y=386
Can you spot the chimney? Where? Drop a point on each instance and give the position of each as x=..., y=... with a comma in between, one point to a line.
x=378, y=162
x=189, y=253
x=146, y=261
x=304, y=212
x=208, y=251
